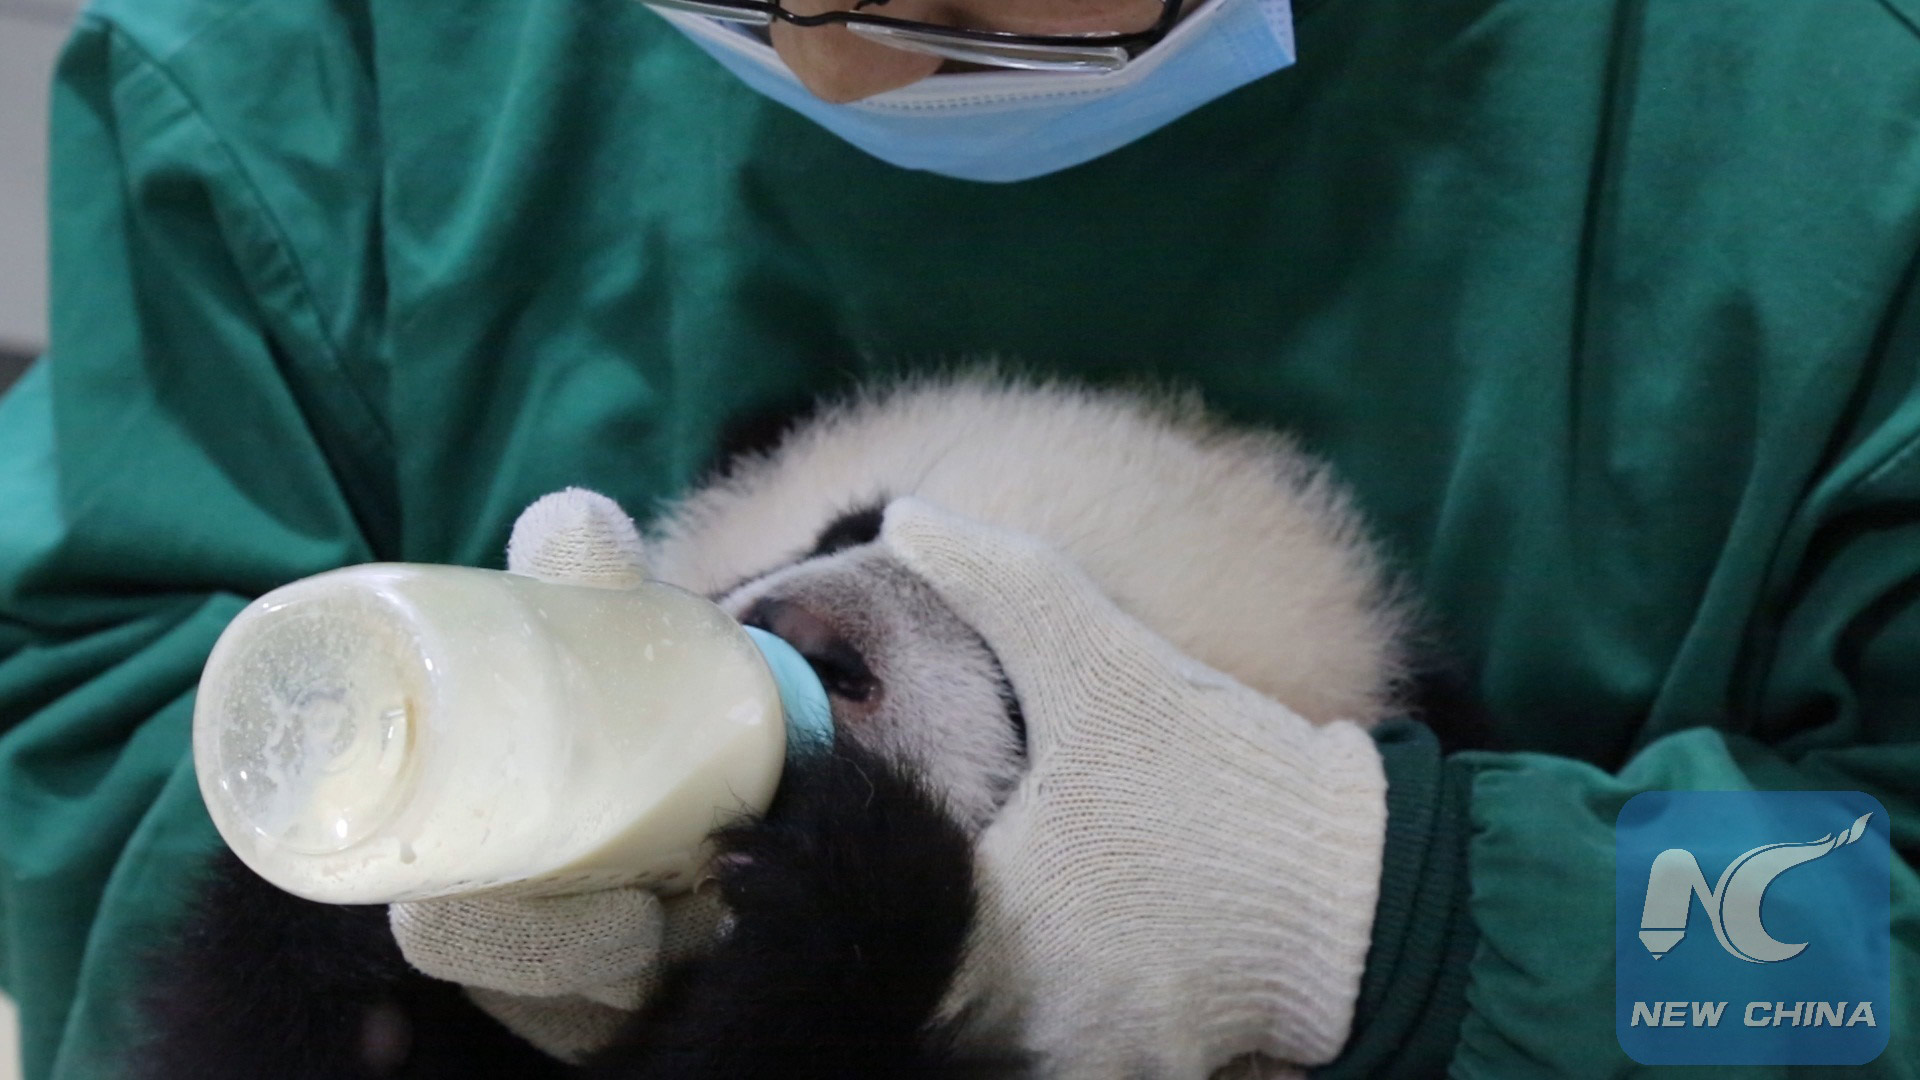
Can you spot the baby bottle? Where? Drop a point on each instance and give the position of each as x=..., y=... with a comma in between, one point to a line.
x=398, y=732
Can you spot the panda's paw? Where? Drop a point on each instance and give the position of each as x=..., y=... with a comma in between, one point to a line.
x=856, y=867
x=851, y=900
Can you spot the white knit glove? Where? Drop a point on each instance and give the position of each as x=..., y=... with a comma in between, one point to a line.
x=1188, y=872
x=562, y=972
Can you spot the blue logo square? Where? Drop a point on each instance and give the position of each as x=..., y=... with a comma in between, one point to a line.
x=1752, y=928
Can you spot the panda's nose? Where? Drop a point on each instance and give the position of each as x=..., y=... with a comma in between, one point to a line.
x=842, y=670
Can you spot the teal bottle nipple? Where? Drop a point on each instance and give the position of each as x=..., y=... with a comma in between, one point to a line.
x=802, y=698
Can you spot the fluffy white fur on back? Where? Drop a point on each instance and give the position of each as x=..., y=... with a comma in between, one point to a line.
x=1233, y=545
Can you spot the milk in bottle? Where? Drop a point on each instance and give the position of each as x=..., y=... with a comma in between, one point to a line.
x=398, y=732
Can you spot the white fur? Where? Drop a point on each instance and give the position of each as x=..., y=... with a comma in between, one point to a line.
x=1231, y=544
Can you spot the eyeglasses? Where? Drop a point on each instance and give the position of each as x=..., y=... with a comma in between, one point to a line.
x=994, y=48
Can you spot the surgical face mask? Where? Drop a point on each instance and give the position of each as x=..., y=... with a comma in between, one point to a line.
x=1001, y=126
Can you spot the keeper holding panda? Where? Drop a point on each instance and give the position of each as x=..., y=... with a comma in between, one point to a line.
x=1604, y=314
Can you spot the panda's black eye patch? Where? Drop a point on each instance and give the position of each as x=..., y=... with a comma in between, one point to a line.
x=851, y=529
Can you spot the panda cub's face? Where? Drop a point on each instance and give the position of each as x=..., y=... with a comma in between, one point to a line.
x=906, y=678
x=1239, y=550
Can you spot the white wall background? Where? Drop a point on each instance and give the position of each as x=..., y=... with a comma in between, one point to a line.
x=9, y=1041
x=30, y=35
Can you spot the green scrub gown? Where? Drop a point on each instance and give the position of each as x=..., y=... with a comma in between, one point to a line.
x=1606, y=309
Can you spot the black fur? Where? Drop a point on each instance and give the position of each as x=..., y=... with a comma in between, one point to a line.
x=851, y=899
x=1444, y=698
x=754, y=431
x=853, y=528
x=262, y=984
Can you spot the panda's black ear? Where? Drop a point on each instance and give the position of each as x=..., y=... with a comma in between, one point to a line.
x=259, y=983
x=756, y=430
x=851, y=901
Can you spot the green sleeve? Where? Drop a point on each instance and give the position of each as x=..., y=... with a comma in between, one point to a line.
x=180, y=448
x=1541, y=982
x=1827, y=698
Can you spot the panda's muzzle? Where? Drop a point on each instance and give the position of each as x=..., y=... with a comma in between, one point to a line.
x=842, y=670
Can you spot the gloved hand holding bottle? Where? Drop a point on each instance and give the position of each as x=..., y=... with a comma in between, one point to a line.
x=526, y=762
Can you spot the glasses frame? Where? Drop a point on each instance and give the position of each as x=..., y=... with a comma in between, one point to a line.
x=1047, y=52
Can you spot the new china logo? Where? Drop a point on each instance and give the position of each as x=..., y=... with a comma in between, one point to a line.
x=1797, y=968
x=1733, y=904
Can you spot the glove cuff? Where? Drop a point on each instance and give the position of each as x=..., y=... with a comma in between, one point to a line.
x=1413, y=996
x=1291, y=971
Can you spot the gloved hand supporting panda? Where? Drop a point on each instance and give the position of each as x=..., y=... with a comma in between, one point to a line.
x=1188, y=872
x=565, y=973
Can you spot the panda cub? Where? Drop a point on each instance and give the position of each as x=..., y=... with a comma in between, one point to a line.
x=851, y=898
